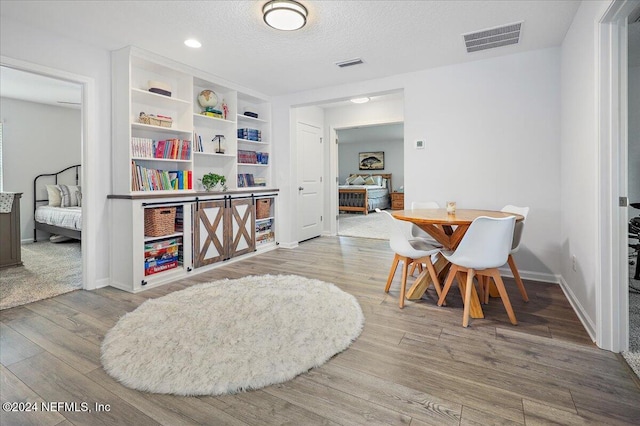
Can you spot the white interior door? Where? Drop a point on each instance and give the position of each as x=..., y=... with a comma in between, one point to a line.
x=310, y=162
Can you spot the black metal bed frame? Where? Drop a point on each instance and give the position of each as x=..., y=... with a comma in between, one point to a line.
x=52, y=229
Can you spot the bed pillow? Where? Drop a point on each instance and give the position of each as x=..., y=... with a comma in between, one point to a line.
x=350, y=179
x=79, y=195
x=369, y=181
x=359, y=180
x=69, y=195
x=377, y=180
x=54, y=195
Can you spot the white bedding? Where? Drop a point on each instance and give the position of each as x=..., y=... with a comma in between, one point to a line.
x=65, y=217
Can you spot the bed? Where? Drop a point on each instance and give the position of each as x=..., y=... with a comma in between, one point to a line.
x=364, y=196
x=57, y=203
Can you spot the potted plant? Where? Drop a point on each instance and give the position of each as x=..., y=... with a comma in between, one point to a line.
x=213, y=182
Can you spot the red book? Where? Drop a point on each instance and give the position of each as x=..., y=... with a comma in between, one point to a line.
x=160, y=268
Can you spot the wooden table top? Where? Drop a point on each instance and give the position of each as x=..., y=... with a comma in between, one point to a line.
x=441, y=217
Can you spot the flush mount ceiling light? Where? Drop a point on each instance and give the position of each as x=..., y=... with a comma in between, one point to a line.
x=286, y=15
x=193, y=43
x=360, y=100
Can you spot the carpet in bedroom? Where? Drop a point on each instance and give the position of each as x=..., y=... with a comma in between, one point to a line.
x=48, y=270
x=372, y=225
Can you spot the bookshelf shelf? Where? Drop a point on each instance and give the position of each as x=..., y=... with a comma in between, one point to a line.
x=253, y=165
x=253, y=142
x=242, y=117
x=144, y=96
x=199, y=116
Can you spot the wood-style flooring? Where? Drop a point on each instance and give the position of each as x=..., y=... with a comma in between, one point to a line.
x=415, y=366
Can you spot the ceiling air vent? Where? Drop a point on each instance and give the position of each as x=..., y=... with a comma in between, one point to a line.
x=492, y=37
x=350, y=63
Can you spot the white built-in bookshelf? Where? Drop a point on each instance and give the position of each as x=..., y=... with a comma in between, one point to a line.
x=133, y=72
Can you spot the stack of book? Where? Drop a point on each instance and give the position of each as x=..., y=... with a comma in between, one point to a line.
x=245, y=180
x=262, y=157
x=247, y=157
x=143, y=179
x=250, y=134
x=161, y=255
x=174, y=149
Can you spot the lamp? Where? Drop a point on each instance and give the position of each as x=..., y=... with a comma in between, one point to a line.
x=286, y=15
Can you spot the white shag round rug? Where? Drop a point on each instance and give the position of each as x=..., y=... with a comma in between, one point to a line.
x=231, y=335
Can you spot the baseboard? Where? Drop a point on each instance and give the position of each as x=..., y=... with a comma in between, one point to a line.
x=103, y=282
x=531, y=275
x=578, y=308
x=290, y=245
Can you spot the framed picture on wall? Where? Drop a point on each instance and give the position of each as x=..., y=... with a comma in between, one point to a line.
x=372, y=160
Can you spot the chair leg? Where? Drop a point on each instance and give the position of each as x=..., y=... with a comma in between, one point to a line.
x=403, y=284
x=414, y=265
x=516, y=275
x=392, y=272
x=467, y=298
x=503, y=295
x=481, y=283
x=447, y=284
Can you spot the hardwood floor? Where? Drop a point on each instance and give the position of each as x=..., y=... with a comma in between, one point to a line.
x=415, y=366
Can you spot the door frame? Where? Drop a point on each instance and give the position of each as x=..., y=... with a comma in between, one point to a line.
x=88, y=157
x=334, y=159
x=612, y=272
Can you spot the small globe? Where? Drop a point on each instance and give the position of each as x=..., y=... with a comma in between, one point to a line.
x=208, y=98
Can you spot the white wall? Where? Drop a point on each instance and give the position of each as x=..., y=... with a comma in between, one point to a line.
x=349, y=159
x=634, y=137
x=30, y=44
x=492, y=138
x=579, y=160
x=37, y=139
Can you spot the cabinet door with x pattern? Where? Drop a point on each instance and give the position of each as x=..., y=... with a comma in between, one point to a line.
x=241, y=227
x=209, y=232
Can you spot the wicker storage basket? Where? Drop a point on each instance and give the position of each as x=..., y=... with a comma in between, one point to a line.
x=159, y=221
x=153, y=120
x=263, y=208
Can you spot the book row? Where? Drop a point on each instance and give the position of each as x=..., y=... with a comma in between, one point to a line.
x=247, y=180
x=143, y=179
x=253, y=157
x=175, y=149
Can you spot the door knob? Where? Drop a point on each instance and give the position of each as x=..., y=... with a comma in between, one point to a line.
x=300, y=188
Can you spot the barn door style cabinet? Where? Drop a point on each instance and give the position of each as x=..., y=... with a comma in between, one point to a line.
x=194, y=234
x=223, y=229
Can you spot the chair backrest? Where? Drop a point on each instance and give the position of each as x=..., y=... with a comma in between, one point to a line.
x=424, y=205
x=486, y=244
x=517, y=233
x=416, y=232
x=399, y=239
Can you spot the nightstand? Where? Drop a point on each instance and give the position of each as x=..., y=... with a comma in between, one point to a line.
x=397, y=201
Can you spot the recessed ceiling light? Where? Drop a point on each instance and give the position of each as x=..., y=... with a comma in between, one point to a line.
x=192, y=42
x=360, y=100
x=286, y=15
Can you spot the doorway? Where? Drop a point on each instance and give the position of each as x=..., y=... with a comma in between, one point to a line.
x=53, y=264
x=354, y=142
x=88, y=135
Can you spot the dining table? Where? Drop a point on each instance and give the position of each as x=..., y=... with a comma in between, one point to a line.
x=448, y=229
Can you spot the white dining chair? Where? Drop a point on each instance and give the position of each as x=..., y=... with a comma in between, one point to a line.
x=483, y=249
x=409, y=251
x=417, y=232
x=515, y=245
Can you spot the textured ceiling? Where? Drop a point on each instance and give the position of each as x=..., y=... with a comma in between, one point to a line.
x=391, y=37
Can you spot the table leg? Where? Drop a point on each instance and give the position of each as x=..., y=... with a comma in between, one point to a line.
x=422, y=283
